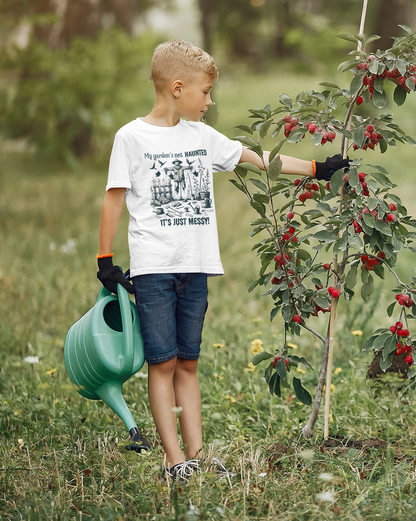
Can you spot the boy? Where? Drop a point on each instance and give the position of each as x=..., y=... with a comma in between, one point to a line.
x=162, y=165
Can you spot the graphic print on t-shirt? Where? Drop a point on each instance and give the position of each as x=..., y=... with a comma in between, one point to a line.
x=180, y=188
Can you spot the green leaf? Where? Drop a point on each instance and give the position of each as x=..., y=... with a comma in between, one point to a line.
x=385, y=364
x=261, y=356
x=399, y=95
x=329, y=84
x=274, y=385
x=254, y=285
x=296, y=135
x=367, y=289
x=368, y=344
x=389, y=347
x=242, y=172
x=382, y=228
x=341, y=244
x=303, y=254
x=359, y=137
x=237, y=185
x=379, y=84
x=245, y=128
x=351, y=279
x=325, y=236
x=381, y=340
x=251, y=167
x=411, y=373
x=301, y=393
x=286, y=100
x=356, y=84
x=390, y=309
x=405, y=28
x=353, y=178
x=275, y=168
x=379, y=99
x=276, y=150
x=321, y=302
x=300, y=360
x=259, y=184
x=260, y=208
x=261, y=198
x=211, y=115
x=247, y=140
x=369, y=219
x=336, y=181
x=348, y=37
x=281, y=368
x=264, y=128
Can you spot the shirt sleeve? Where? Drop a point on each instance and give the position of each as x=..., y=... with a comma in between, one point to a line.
x=226, y=153
x=120, y=165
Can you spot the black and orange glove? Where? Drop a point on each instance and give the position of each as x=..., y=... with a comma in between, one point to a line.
x=329, y=167
x=110, y=275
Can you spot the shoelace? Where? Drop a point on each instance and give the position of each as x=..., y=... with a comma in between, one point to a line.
x=183, y=470
x=216, y=465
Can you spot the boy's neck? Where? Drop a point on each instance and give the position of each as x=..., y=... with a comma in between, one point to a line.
x=163, y=114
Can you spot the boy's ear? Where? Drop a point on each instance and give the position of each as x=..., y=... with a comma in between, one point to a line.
x=176, y=88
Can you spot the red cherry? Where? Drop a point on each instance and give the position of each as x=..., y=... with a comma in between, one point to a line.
x=328, y=186
x=359, y=100
x=399, y=325
x=336, y=293
x=302, y=198
x=276, y=360
x=393, y=329
x=294, y=239
x=309, y=194
x=392, y=207
x=361, y=176
x=285, y=237
x=346, y=178
x=315, y=187
x=294, y=121
x=401, y=80
x=290, y=215
x=327, y=266
x=331, y=290
x=364, y=258
x=292, y=230
x=381, y=254
x=408, y=360
x=391, y=217
x=331, y=136
x=297, y=182
x=312, y=128
x=297, y=319
x=370, y=128
x=287, y=119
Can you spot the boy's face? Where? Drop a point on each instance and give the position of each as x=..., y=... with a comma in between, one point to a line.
x=196, y=97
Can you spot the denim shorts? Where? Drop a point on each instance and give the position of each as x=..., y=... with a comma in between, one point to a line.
x=172, y=309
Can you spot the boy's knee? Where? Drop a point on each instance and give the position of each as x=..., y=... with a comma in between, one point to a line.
x=164, y=368
x=189, y=366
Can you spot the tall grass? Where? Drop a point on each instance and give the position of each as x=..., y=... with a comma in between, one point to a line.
x=62, y=456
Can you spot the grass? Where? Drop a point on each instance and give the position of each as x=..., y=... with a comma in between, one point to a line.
x=62, y=456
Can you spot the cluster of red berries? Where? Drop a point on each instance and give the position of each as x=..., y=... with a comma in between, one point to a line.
x=372, y=139
x=404, y=300
x=290, y=235
x=279, y=358
x=297, y=319
x=335, y=293
x=327, y=135
x=398, y=330
x=368, y=263
x=308, y=190
x=361, y=178
x=290, y=125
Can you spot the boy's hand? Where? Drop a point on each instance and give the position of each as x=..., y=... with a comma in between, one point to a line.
x=110, y=276
x=330, y=166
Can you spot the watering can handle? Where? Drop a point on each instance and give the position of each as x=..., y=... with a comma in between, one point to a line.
x=126, y=320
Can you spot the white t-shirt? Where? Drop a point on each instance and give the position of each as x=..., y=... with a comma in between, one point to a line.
x=167, y=173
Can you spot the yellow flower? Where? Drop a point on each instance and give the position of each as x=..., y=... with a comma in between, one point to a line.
x=250, y=367
x=256, y=320
x=293, y=346
x=337, y=370
x=342, y=381
x=257, y=346
x=218, y=346
x=228, y=397
x=299, y=370
x=332, y=388
x=218, y=376
x=331, y=419
x=51, y=371
x=357, y=332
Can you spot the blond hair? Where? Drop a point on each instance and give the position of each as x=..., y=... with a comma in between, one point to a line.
x=180, y=60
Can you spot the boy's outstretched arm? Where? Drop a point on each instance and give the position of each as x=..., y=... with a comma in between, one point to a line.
x=108, y=274
x=298, y=167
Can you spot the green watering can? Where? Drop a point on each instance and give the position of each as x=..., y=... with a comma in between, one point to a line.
x=103, y=349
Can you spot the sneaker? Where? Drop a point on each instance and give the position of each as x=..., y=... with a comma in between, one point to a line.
x=216, y=466
x=182, y=471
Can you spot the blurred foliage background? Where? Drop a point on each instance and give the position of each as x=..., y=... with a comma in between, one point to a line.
x=72, y=72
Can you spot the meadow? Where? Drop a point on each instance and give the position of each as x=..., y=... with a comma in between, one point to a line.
x=63, y=457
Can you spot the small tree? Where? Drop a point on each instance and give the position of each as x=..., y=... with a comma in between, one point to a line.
x=355, y=216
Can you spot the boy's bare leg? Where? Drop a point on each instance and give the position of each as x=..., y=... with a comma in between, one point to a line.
x=162, y=400
x=188, y=396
